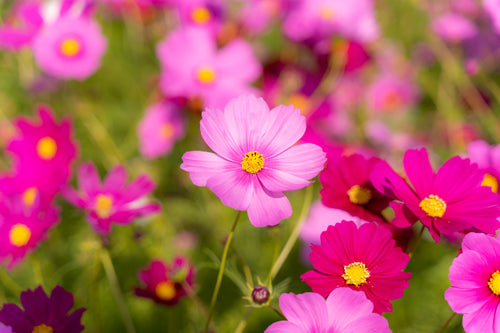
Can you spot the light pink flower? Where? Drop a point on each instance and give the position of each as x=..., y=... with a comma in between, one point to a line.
x=70, y=48
x=255, y=158
x=344, y=311
x=192, y=67
x=454, y=27
x=159, y=129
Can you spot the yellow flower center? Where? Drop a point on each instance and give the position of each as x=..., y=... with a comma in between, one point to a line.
x=43, y=329
x=300, y=102
x=46, y=148
x=490, y=181
x=359, y=195
x=494, y=283
x=29, y=196
x=19, y=235
x=103, y=205
x=206, y=75
x=253, y=162
x=165, y=290
x=70, y=47
x=201, y=15
x=355, y=273
x=167, y=131
x=327, y=13
x=433, y=205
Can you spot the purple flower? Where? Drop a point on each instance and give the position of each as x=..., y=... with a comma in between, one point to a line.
x=255, y=158
x=453, y=27
x=42, y=313
x=344, y=311
x=488, y=159
x=113, y=201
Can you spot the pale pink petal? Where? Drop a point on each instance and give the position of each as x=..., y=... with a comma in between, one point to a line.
x=116, y=179
x=303, y=160
x=202, y=165
x=307, y=310
x=217, y=136
x=467, y=300
x=370, y=323
x=268, y=208
x=482, y=320
x=283, y=327
x=234, y=186
x=237, y=60
x=345, y=306
x=88, y=179
x=283, y=128
x=278, y=181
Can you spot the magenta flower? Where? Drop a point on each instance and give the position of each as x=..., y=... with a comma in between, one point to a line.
x=207, y=14
x=192, y=67
x=450, y=200
x=488, y=159
x=347, y=186
x=344, y=311
x=362, y=258
x=166, y=284
x=475, y=283
x=492, y=7
x=112, y=201
x=22, y=25
x=5, y=329
x=70, y=48
x=22, y=228
x=43, y=314
x=255, y=158
x=43, y=152
x=159, y=129
x=390, y=93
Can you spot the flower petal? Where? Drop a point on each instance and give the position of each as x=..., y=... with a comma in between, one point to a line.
x=202, y=165
x=278, y=181
x=303, y=160
x=268, y=208
x=233, y=186
x=307, y=310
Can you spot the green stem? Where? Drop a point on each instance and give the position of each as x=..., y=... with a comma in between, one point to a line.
x=37, y=270
x=7, y=281
x=447, y=322
x=243, y=322
x=293, y=237
x=277, y=311
x=221, y=271
x=115, y=288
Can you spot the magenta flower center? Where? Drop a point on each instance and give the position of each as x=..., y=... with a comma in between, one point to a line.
x=165, y=290
x=103, y=205
x=355, y=273
x=167, y=131
x=19, y=235
x=201, y=15
x=42, y=329
x=490, y=181
x=359, y=195
x=70, y=47
x=433, y=205
x=494, y=283
x=253, y=162
x=29, y=196
x=46, y=148
x=206, y=75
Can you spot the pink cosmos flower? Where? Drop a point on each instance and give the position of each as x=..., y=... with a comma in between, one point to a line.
x=343, y=311
x=166, y=284
x=391, y=93
x=21, y=26
x=257, y=15
x=255, y=158
x=362, y=258
x=70, y=48
x=492, y=7
x=192, y=67
x=450, y=200
x=488, y=159
x=43, y=151
x=5, y=329
x=207, y=14
x=22, y=228
x=454, y=27
x=112, y=201
x=159, y=129
x=475, y=284
x=347, y=186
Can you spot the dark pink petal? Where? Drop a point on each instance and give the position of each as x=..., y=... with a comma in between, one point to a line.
x=73, y=197
x=404, y=217
x=268, y=208
x=482, y=320
x=419, y=170
x=140, y=187
x=307, y=310
x=115, y=180
x=88, y=179
x=302, y=160
x=235, y=187
x=321, y=283
x=202, y=165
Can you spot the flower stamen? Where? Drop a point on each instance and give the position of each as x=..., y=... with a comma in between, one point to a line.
x=490, y=181
x=253, y=162
x=42, y=329
x=46, y=148
x=19, y=235
x=359, y=195
x=494, y=283
x=103, y=205
x=165, y=290
x=433, y=205
x=355, y=273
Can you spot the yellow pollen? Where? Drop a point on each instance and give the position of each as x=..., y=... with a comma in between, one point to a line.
x=29, y=196
x=433, y=205
x=103, y=205
x=46, y=148
x=167, y=131
x=165, y=290
x=327, y=13
x=206, y=75
x=201, y=15
x=70, y=47
x=19, y=235
x=300, y=102
x=253, y=162
x=494, y=283
x=359, y=195
x=43, y=329
x=355, y=273
x=490, y=181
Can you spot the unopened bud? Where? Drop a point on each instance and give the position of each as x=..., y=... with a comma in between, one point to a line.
x=260, y=294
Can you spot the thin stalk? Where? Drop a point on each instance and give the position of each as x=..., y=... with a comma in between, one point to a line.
x=221, y=271
x=277, y=311
x=447, y=322
x=10, y=284
x=293, y=237
x=115, y=288
x=37, y=270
